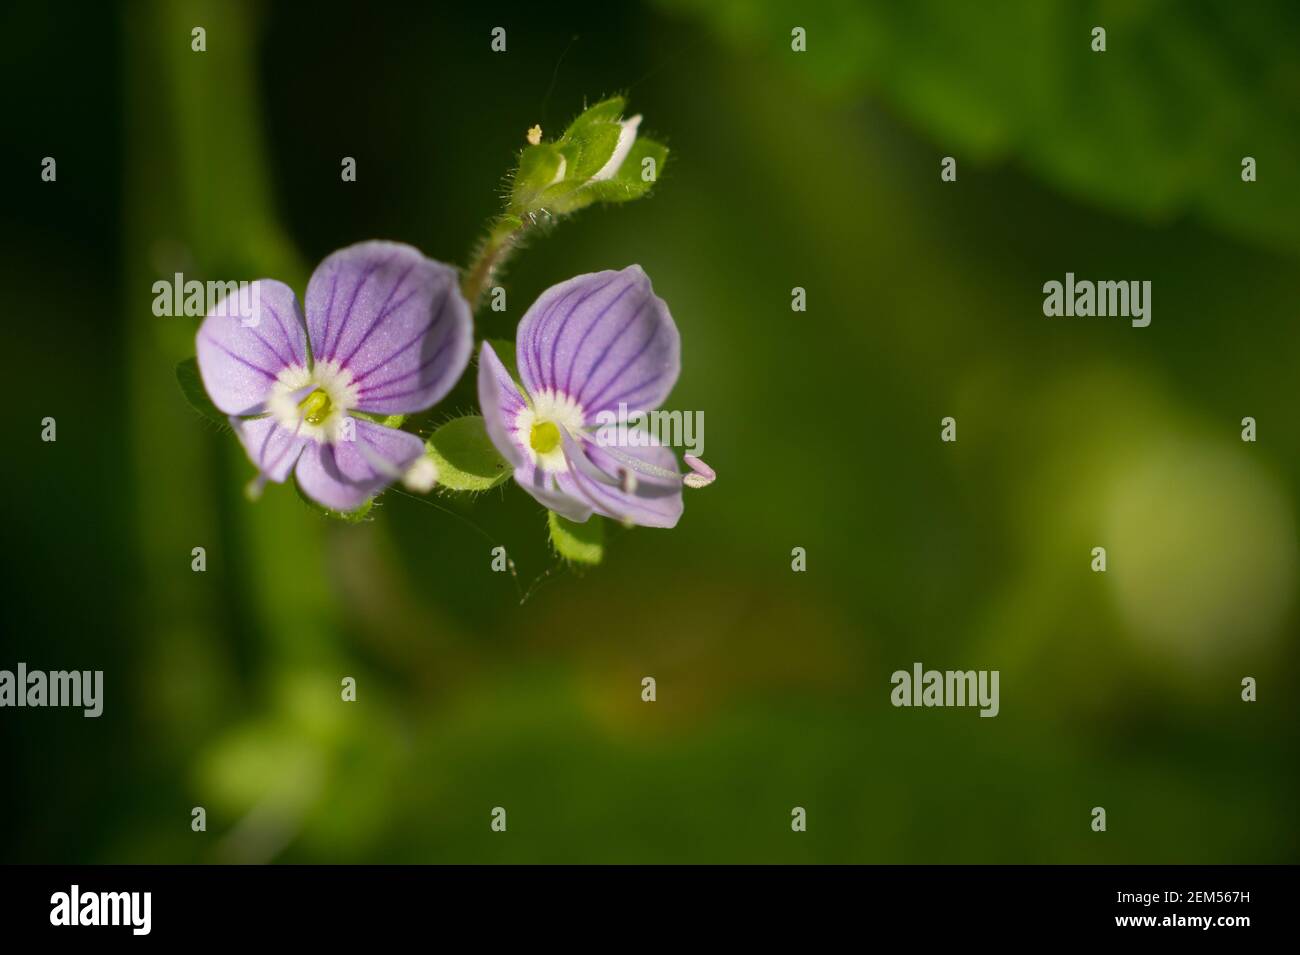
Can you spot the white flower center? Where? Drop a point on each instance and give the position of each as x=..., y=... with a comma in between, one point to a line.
x=539, y=428
x=313, y=404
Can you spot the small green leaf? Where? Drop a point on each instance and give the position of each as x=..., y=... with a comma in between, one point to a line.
x=466, y=458
x=191, y=382
x=581, y=543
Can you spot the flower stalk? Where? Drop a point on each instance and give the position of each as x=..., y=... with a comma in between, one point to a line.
x=490, y=257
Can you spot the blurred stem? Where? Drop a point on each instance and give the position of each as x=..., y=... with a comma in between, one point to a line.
x=492, y=253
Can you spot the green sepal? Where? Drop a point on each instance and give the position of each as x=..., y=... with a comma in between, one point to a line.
x=191, y=382
x=629, y=183
x=606, y=111
x=584, y=149
x=538, y=167
x=562, y=198
x=388, y=421
x=589, y=149
x=580, y=543
x=347, y=517
x=465, y=456
x=504, y=226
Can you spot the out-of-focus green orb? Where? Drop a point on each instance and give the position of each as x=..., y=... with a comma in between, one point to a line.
x=1201, y=551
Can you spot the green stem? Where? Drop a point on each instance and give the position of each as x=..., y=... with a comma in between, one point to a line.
x=491, y=255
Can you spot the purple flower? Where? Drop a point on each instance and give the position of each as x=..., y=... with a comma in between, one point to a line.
x=386, y=332
x=587, y=346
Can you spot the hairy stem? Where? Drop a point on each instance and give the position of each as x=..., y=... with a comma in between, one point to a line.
x=491, y=255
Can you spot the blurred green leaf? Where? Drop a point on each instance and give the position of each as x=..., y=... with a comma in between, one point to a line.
x=581, y=543
x=465, y=456
x=1155, y=126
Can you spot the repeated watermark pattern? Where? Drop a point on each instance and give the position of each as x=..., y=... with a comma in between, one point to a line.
x=55, y=688
x=195, y=299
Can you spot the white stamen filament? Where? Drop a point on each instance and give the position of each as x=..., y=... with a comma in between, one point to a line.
x=642, y=467
x=386, y=468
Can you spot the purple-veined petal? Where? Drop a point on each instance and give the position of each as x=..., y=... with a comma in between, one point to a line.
x=242, y=350
x=393, y=318
x=500, y=401
x=602, y=339
x=272, y=448
x=547, y=491
x=650, y=496
x=343, y=475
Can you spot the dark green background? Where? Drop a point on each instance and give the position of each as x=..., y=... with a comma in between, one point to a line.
x=818, y=170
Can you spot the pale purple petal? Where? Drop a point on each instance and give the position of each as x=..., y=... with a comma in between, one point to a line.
x=603, y=339
x=595, y=476
x=395, y=319
x=241, y=353
x=345, y=474
x=547, y=490
x=500, y=401
x=272, y=448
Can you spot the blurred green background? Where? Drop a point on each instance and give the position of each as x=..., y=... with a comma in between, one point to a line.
x=816, y=169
